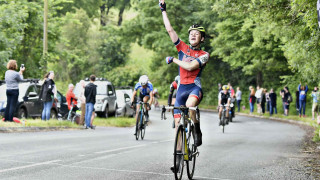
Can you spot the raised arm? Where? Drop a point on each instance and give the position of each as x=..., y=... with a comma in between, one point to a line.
x=173, y=35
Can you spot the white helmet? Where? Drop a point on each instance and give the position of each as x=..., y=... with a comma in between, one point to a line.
x=143, y=80
x=155, y=90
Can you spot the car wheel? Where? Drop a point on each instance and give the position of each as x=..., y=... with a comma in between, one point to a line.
x=53, y=114
x=22, y=113
x=106, y=112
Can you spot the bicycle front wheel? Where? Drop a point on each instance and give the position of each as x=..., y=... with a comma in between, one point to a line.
x=192, y=152
x=178, y=159
x=138, y=126
x=143, y=127
x=223, y=123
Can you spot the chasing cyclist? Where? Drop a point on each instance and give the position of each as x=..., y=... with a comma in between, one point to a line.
x=224, y=99
x=146, y=94
x=173, y=93
x=191, y=61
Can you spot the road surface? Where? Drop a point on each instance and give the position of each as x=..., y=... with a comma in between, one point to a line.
x=250, y=148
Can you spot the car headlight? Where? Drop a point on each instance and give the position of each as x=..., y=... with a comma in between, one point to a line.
x=99, y=101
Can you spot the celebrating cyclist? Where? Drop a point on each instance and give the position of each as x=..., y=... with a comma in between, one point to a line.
x=224, y=99
x=145, y=94
x=191, y=61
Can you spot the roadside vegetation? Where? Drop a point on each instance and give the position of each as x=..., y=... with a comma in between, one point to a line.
x=105, y=122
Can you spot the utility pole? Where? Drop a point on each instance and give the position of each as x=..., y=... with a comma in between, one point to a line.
x=45, y=34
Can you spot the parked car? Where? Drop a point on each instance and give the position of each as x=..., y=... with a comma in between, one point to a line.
x=124, y=104
x=106, y=100
x=29, y=104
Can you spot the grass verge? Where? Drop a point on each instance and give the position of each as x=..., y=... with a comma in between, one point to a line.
x=106, y=122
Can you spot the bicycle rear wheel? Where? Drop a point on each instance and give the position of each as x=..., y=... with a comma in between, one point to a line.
x=192, y=149
x=138, y=126
x=143, y=127
x=178, y=159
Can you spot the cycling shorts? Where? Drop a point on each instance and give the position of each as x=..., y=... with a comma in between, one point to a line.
x=141, y=96
x=184, y=92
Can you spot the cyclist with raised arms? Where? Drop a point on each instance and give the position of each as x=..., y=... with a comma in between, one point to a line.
x=224, y=99
x=191, y=61
x=145, y=88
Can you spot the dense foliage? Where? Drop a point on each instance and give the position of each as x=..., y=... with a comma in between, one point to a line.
x=260, y=42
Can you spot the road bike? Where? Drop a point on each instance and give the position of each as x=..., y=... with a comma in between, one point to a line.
x=223, y=119
x=141, y=124
x=184, y=141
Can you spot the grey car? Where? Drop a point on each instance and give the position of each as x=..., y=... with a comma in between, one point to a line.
x=124, y=104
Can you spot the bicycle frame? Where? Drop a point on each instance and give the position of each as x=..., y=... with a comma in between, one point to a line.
x=186, y=124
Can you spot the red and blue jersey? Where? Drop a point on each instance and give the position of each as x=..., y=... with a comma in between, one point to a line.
x=188, y=54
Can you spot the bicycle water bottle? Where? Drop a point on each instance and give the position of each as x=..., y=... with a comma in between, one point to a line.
x=186, y=129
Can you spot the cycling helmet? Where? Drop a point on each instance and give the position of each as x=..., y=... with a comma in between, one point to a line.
x=143, y=80
x=199, y=28
x=225, y=87
x=155, y=90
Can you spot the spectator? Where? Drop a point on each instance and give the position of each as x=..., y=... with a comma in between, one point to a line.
x=263, y=100
x=273, y=102
x=12, y=78
x=315, y=98
x=302, y=99
x=258, y=96
x=72, y=100
x=231, y=90
x=238, y=97
x=287, y=99
x=47, y=95
x=267, y=100
x=219, y=87
x=252, y=99
x=297, y=102
x=83, y=102
x=90, y=93
x=283, y=101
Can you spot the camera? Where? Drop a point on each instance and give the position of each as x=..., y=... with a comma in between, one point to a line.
x=22, y=65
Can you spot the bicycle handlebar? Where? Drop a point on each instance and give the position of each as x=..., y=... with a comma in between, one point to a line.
x=164, y=108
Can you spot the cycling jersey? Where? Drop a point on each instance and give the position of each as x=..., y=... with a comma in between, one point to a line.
x=144, y=91
x=224, y=98
x=187, y=53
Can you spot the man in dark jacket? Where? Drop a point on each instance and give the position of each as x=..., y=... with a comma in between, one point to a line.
x=273, y=102
x=90, y=93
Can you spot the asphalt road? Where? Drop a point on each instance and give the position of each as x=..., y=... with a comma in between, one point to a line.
x=250, y=148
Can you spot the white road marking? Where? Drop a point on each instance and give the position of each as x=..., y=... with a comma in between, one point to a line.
x=131, y=147
x=132, y=171
x=28, y=166
x=123, y=148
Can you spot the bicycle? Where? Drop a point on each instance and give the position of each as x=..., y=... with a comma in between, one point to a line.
x=184, y=138
x=223, y=119
x=141, y=121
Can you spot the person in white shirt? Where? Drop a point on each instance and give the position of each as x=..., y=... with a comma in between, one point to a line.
x=239, y=98
x=258, y=96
